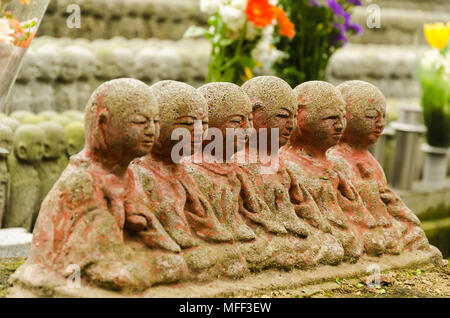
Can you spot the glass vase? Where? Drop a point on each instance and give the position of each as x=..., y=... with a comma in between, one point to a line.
x=19, y=21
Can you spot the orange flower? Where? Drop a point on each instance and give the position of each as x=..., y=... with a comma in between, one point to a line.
x=25, y=1
x=286, y=27
x=15, y=24
x=26, y=42
x=260, y=12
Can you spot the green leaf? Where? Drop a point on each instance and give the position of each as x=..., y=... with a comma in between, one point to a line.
x=337, y=281
x=360, y=285
x=194, y=31
x=225, y=42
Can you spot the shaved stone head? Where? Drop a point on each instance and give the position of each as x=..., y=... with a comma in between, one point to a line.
x=271, y=93
x=55, y=139
x=366, y=110
x=225, y=100
x=177, y=99
x=317, y=96
x=321, y=115
x=10, y=122
x=29, y=143
x=6, y=137
x=111, y=113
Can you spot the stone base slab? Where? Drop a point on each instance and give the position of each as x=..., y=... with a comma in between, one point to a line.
x=14, y=242
x=253, y=284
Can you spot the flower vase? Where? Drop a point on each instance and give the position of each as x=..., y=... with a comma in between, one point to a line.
x=19, y=21
x=435, y=167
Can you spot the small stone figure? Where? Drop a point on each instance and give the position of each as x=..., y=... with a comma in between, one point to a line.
x=10, y=122
x=6, y=147
x=320, y=125
x=50, y=167
x=366, y=117
x=82, y=219
x=25, y=195
x=232, y=195
x=274, y=107
x=75, y=137
x=6, y=137
x=172, y=194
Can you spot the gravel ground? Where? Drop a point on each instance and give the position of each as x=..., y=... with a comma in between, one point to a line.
x=423, y=282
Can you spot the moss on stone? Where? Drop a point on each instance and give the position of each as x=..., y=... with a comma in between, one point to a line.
x=7, y=267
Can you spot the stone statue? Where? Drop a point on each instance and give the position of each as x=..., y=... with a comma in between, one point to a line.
x=75, y=137
x=4, y=182
x=233, y=197
x=10, y=122
x=50, y=168
x=6, y=147
x=177, y=202
x=275, y=107
x=320, y=124
x=82, y=219
x=25, y=195
x=366, y=117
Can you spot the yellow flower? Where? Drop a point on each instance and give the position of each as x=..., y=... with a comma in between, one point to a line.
x=437, y=34
x=248, y=72
x=25, y=1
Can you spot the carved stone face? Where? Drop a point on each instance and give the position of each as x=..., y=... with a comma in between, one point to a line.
x=122, y=119
x=229, y=107
x=181, y=106
x=6, y=137
x=366, y=112
x=321, y=115
x=55, y=140
x=29, y=143
x=274, y=105
x=75, y=137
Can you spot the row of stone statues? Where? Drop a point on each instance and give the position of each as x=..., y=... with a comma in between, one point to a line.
x=34, y=151
x=130, y=216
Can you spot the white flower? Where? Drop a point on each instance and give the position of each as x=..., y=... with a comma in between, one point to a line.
x=239, y=4
x=6, y=32
x=211, y=6
x=233, y=18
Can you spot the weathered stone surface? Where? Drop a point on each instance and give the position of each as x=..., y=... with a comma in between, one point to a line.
x=14, y=242
x=29, y=284
x=164, y=221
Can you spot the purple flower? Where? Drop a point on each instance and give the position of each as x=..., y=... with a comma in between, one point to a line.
x=355, y=2
x=339, y=38
x=336, y=7
x=347, y=18
x=342, y=34
x=357, y=28
x=314, y=3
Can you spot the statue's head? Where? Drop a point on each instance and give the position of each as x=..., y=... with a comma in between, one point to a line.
x=20, y=114
x=6, y=137
x=274, y=105
x=321, y=114
x=48, y=114
x=10, y=122
x=366, y=112
x=55, y=139
x=75, y=137
x=121, y=120
x=29, y=143
x=33, y=119
x=181, y=106
x=228, y=107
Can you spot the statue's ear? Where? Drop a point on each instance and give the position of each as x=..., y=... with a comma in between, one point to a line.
x=46, y=150
x=102, y=117
x=22, y=151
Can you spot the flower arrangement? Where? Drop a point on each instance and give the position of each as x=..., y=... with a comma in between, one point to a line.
x=320, y=29
x=236, y=28
x=11, y=30
x=434, y=74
